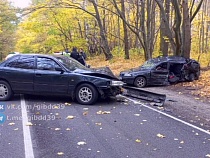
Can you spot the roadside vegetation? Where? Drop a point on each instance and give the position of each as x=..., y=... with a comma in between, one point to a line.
x=115, y=33
x=199, y=88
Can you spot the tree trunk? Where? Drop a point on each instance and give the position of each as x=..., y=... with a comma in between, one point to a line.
x=104, y=41
x=186, y=44
x=163, y=36
x=126, y=41
x=166, y=24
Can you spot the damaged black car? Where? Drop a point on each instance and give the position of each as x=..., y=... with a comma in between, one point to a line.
x=162, y=71
x=56, y=75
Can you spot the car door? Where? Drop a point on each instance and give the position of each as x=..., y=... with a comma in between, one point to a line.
x=159, y=74
x=48, y=79
x=19, y=72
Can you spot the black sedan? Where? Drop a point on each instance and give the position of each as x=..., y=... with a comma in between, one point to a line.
x=162, y=71
x=55, y=75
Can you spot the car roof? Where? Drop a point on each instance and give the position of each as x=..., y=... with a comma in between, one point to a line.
x=176, y=59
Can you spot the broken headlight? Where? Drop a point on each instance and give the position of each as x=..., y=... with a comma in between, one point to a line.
x=127, y=75
x=117, y=83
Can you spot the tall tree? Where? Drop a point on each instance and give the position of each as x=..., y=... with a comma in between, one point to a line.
x=163, y=36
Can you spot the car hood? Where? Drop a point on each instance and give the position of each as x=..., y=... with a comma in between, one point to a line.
x=103, y=72
x=138, y=69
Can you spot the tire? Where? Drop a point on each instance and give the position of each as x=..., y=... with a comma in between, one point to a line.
x=197, y=75
x=5, y=91
x=191, y=77
x=140, y=82
x=86, y=94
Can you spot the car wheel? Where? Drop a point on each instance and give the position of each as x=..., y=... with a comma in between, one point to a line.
x=5, y=91
x=86, y=94
x=197, y=75
x=191, y=77
x=140, y=82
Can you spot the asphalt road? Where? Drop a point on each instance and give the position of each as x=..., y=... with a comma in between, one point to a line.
x=54, y=127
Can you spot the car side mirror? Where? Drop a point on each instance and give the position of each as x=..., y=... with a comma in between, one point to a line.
x=59, y=69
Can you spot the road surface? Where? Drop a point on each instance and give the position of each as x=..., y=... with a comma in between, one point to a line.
x=51, y=127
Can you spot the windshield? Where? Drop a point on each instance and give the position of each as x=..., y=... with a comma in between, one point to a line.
x=148, y=65
x=70, y=63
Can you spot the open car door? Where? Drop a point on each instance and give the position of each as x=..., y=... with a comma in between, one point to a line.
x=159, y=74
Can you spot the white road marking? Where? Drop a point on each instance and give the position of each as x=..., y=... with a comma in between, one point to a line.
x=29, y=153
x=172, y=117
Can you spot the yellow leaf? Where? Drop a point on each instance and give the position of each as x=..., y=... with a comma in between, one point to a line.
x=85, y=113
x=98, y=123
x=160, y=135
x=138, y=140
x=70, y=117
x=37, y=113
x=29, y=124
x=11, y=123
x=67, y=104
x=60, y=153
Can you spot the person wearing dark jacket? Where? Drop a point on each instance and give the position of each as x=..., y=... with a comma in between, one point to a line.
x=75, y=54
x=81, y=51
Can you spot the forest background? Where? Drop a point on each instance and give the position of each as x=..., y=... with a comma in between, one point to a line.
x=121, y=34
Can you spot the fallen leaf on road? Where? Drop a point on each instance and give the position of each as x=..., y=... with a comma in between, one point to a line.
x=37, y=113
x=70, y=117
x=55, y=107
x=60, y=153
x=182, y=142
x=160, y=135
x=68, y=129
x=98, y=123
x=85, y=113
x=57, y=129
x=11, y=123
x=208, y=155
x=103, y=112
x=81, y=143
x=29, y=124
x=137, y=114
x=67, y=104
x=15, y=129
x=138, y=140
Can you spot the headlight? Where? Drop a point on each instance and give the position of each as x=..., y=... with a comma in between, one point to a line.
x=127, y=74
x=117, y=83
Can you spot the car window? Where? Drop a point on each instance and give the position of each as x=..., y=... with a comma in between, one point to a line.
x=23, y=62
x=46, y=64
x=162, y=66
x=148, y=65
x=70, y=63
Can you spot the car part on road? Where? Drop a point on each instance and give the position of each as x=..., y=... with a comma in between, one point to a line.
x=158, y=99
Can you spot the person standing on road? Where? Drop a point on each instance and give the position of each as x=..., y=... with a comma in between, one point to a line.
x=83, y=54
x=74, y=54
